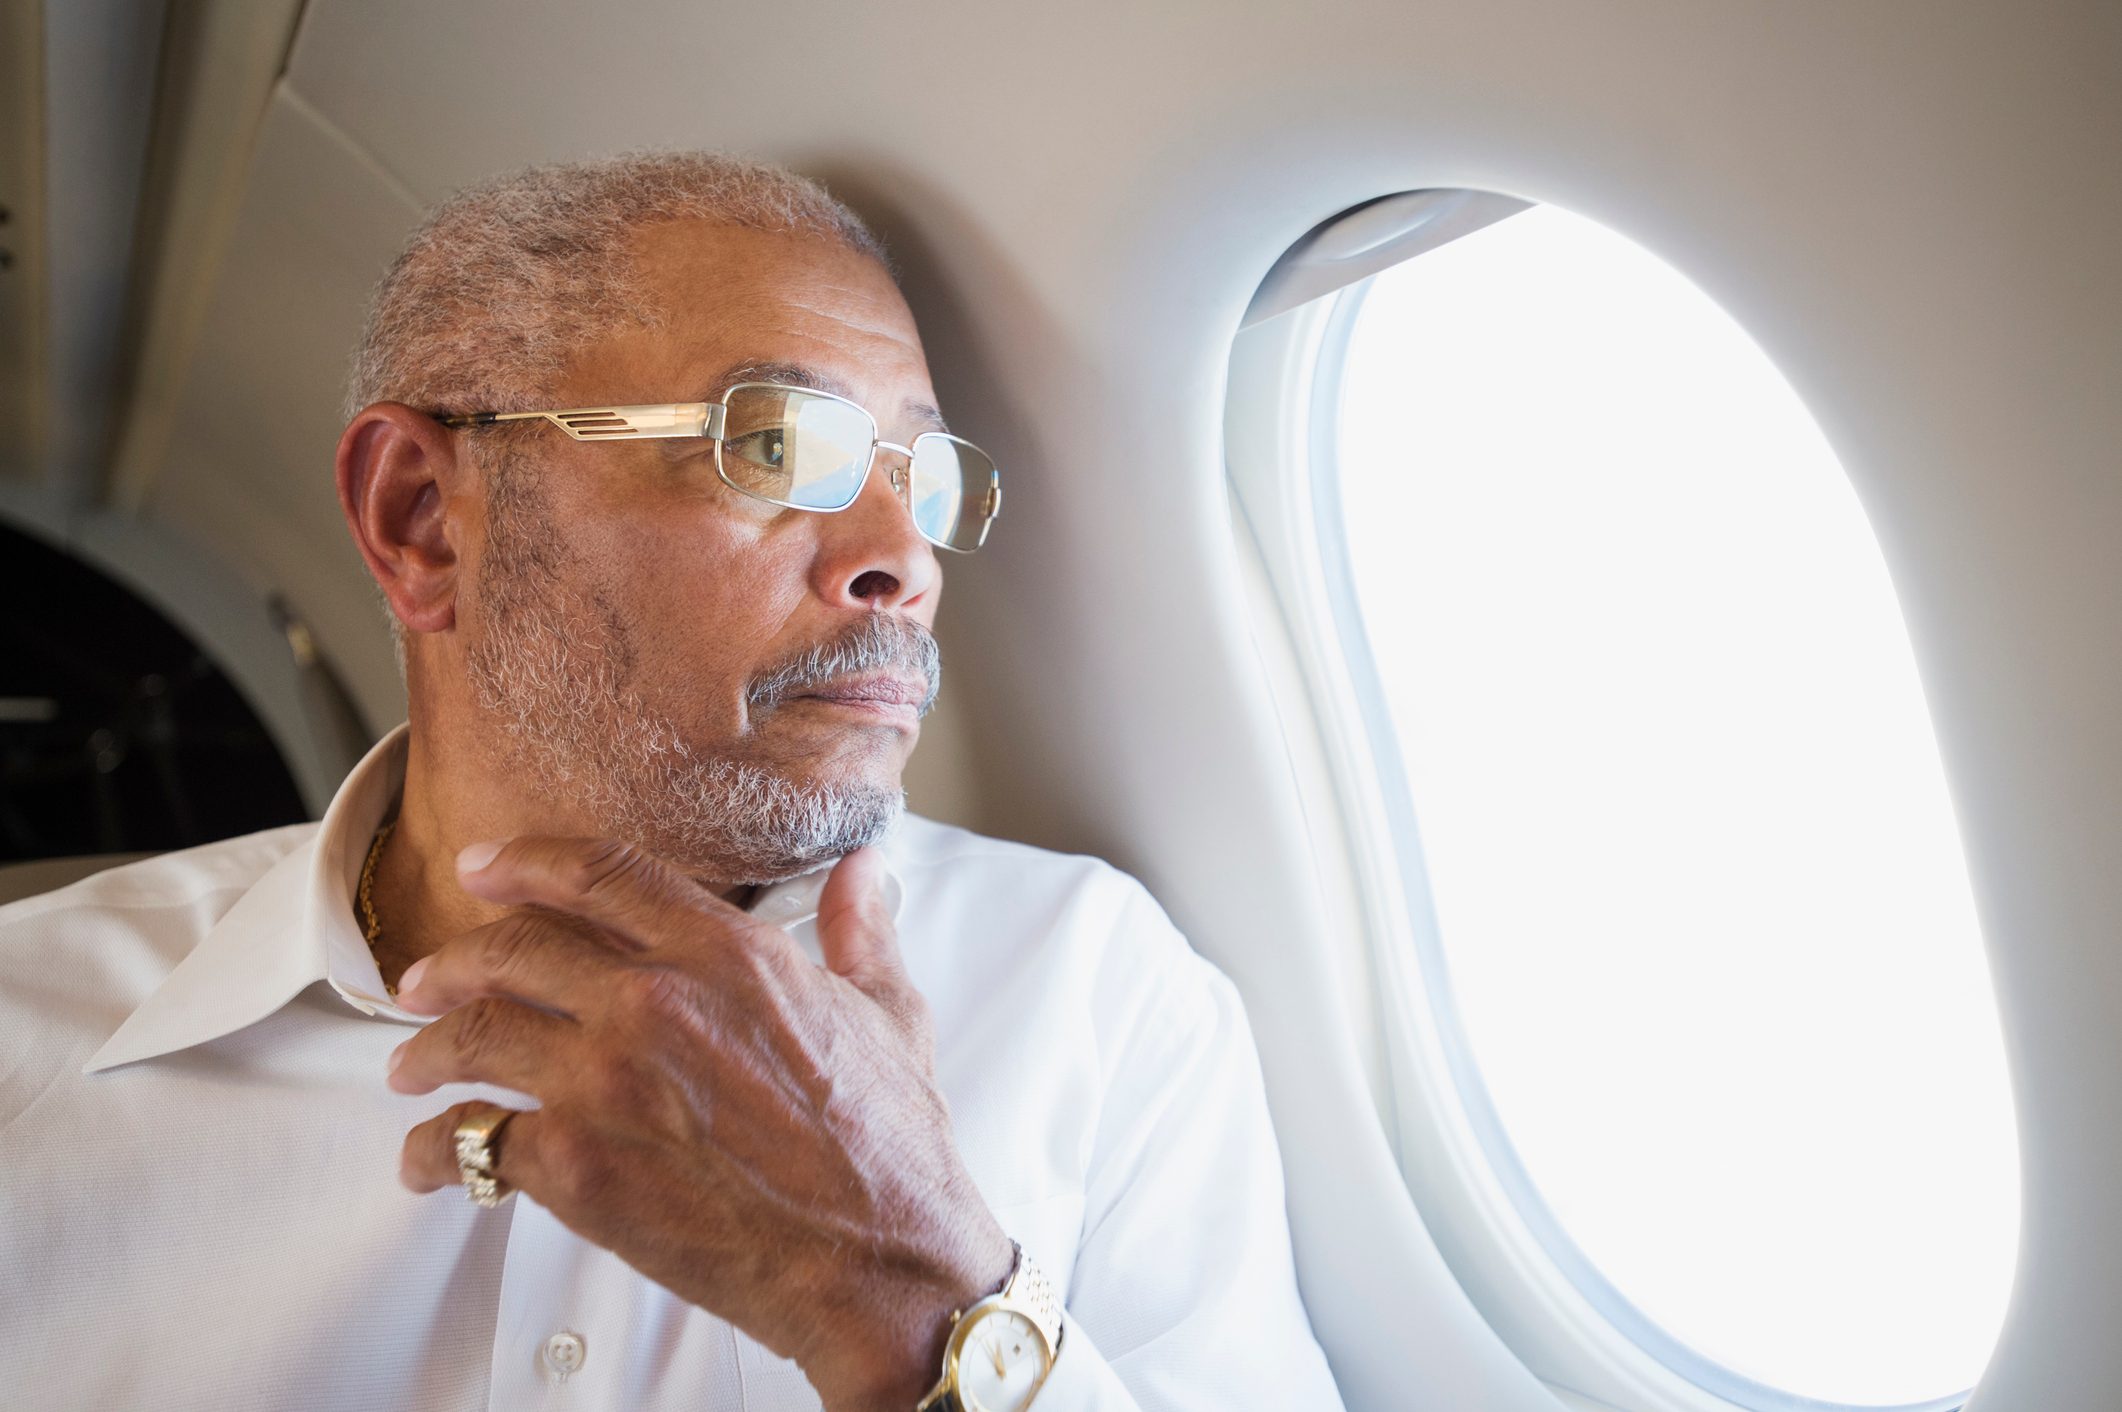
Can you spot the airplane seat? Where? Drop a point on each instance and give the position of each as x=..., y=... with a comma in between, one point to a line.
x=40, y=875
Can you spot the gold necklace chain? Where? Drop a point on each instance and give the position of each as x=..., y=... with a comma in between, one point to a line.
x=368, y=903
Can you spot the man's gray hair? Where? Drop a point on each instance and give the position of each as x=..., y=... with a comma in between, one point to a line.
x=506, y=278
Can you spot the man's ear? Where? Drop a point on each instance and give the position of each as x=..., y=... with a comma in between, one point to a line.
x=402, y=486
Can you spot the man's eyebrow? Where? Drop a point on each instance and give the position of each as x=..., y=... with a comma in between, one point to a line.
x=787, y=374
x=797, y=375
x=925, y=412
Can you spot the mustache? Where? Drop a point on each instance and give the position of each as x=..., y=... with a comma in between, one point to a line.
x=879, y=642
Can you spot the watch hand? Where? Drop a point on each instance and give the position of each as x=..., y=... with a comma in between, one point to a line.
x=994, y=1351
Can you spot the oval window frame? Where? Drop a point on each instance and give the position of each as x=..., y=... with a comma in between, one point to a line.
x=1516, y=1261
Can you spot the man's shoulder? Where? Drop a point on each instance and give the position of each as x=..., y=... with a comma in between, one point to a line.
x=74, y=962
x=1079, y=912
x=933, y=854
x=919, y=841
x=103, y=942
x=173, y=881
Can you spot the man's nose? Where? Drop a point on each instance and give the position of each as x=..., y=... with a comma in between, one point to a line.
x=871, y=556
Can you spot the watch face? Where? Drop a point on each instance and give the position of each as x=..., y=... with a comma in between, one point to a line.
x=1001, y=1363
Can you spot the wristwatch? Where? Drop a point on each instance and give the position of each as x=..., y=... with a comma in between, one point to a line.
x=1002, y=1348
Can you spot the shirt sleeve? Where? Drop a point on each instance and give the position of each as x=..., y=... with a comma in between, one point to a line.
x=1184, y=1291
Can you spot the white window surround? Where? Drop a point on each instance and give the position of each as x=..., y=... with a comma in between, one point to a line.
x=1280, y=415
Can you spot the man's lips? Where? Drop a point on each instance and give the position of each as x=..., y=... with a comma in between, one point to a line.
x=881, y=693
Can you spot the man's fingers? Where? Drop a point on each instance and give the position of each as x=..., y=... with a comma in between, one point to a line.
x=531, y=956
x=428, y=1161
x=620, y=886
x=855, y=932
x=854, y=929
x=488, y=1041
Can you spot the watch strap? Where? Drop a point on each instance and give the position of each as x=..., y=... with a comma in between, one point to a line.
x=1027, y=1292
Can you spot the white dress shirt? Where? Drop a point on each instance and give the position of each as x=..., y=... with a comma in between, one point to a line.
x=199, y=1202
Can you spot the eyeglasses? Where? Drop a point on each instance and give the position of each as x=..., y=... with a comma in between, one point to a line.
x=804, y=450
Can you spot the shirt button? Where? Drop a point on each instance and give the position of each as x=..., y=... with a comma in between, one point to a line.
x=564, y=1352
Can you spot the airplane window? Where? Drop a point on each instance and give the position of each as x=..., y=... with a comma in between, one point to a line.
x=1682, y=879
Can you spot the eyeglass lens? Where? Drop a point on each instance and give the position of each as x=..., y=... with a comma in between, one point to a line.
x=951, y=479
x=810, y=450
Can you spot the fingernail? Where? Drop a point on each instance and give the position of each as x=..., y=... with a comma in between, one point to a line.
x=411, y=978
x=398, y=1057
x=476, y=856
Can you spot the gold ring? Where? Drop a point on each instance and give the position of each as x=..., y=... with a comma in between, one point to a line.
x=475, y=1157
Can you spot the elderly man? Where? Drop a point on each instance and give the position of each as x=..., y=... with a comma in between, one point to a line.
x=807, y=1103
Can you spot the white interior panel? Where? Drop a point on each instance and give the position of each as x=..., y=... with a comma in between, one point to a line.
x=249, y=469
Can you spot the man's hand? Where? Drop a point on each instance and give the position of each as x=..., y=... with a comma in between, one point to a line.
x=761, y=1136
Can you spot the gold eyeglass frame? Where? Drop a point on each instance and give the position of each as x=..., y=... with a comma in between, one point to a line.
x=662, y=420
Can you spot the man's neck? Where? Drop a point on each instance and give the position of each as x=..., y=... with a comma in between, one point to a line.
x=414, y=894
x=419, y=904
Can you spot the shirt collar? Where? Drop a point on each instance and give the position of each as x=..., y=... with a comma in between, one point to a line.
x=252, y=961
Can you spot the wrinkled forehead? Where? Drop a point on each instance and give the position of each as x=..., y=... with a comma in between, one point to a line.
x=727, y=303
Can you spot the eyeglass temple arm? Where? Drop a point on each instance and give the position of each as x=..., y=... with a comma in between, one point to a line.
x=660, y=419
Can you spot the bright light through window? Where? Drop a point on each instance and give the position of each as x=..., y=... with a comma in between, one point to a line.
x=1696, y=877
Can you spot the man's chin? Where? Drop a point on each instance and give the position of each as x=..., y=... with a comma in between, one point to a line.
x=769, y=824
x=840, y=737
x=843, y=757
